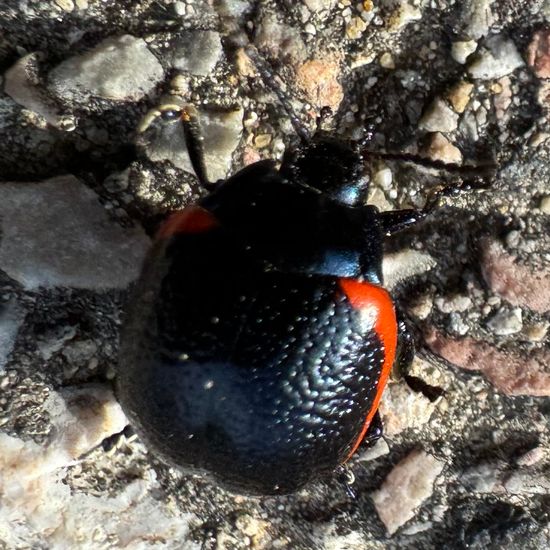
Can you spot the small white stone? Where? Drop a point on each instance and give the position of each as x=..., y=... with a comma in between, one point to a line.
x=461, y=50
x=383, y=178
x=545, y=204
x=65, y=5
x=439, y=117
x=399, y=266
x=387, y=61
x=506, y=322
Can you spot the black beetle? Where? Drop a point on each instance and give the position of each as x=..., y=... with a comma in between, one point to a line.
x=260, y=337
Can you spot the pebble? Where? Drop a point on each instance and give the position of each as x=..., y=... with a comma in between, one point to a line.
x=483, y=477
x=387, y=61
x=220, y=132
x=459, y=95
x=538, y=53
x=521, y=285
x=457, y=325
x=422, y=307
x=380, y=448
x=461, y=50
x=56, y=233
x=533, y=456
x=319, y=80
x=402, y=408
x=12, y=316
x=23, y=85
x=320, y=5
x=65, y=5
x=497, y=58
x=478, y=17
x=355, y=28
x=404, y=14
x=506, y=322
x=510, y=372
x=455, y=303
x=398, y=266
x=383, y=178
x=526, y=483
x=439, y=117
x=405, y=488
x=120, y=68
x=440, y=148
x=537, y=331
x=544, y=204
x=196, y=52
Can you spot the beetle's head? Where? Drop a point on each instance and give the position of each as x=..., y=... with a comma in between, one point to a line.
x=332, y=166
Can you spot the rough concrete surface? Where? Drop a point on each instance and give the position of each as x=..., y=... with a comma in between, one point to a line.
x=466, y=460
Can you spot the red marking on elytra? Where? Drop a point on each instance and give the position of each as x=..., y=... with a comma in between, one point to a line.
x=193, y=219
x=367, y=296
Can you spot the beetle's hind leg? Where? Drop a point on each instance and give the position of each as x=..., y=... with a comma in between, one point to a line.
x=188, y=118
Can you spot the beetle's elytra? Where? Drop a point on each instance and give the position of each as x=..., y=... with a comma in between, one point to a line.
x=260, y=337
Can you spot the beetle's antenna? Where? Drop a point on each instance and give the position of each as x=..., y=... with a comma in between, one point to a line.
x=479, y=170
x=241, y=38
x=268, y=76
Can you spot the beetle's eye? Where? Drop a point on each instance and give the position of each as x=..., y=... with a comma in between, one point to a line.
x=170, y=114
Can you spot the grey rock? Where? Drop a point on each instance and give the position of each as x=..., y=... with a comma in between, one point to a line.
x=496, y=59
x=56, y=233
x=120, y=68
x=197, y=52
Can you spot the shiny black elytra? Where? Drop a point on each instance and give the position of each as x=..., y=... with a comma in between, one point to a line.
x=259, y=337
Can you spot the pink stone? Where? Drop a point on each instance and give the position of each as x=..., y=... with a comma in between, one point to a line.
x=407, y=486
x=538, y=53
x=511, y=373
x=519, y=284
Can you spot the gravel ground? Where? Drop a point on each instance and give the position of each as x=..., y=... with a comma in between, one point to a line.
x=87, y=172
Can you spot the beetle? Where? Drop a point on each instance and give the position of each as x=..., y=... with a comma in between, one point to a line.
x=259, y=338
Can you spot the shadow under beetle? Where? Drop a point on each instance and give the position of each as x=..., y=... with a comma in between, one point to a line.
x=260, y=336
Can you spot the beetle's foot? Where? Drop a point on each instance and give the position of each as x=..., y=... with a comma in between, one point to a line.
x=347, y=477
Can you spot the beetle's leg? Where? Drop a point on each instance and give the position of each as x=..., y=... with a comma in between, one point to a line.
x=374, y=432
x=484, y=171
x=347, y=477
x=194, y=146
x=396, y=220
x=188, y=119
x=405, y=346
